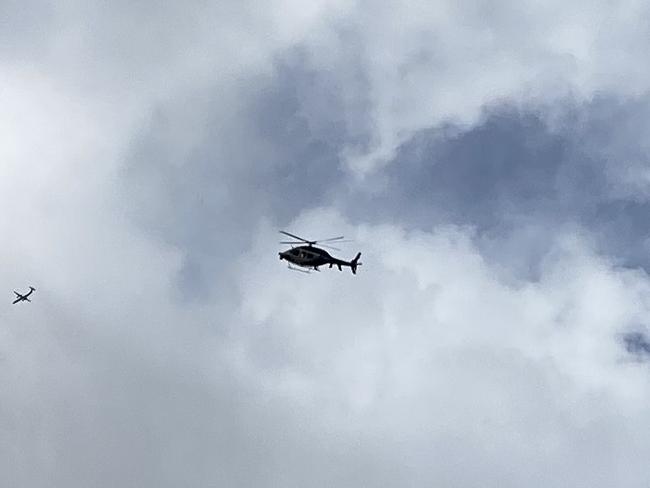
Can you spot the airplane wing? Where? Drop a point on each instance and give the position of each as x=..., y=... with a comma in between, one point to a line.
x=17, y=294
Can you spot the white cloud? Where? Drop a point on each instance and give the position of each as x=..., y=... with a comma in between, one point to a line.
x=426, y=64
x=429, y=350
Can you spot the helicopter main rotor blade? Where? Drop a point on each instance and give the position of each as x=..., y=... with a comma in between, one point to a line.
x=301, y=240
x=311, y=242
x=314, y=242
x=294, y=236
x=340, y=242
x=330, y=247
x=331, y=239
x=320, y=245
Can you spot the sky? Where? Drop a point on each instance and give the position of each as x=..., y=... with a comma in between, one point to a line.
x=491, y=161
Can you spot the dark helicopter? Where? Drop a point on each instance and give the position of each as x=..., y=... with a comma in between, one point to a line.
x=307, y=255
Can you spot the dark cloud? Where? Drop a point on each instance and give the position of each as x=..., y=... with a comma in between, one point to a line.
x=637, y=344
x=514, y=178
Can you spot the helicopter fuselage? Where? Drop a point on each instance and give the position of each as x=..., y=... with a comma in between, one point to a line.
x=309, y=257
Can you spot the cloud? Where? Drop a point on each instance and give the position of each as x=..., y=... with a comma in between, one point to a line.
x=517, y=174
x=423, y=65
x=446, y=361
x=151, y=152
x=636, y=343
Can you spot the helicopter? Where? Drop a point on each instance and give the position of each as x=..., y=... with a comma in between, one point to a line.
x=307, y=255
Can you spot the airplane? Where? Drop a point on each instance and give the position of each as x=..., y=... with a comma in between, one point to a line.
x=307, y=255
x=22, y=298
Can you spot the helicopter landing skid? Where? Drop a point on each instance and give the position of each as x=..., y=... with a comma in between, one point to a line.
x=300, y=270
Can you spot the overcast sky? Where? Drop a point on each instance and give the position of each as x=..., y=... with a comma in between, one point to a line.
x=490, y=160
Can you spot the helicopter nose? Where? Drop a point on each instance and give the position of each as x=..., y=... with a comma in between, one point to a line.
x=281, y=256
